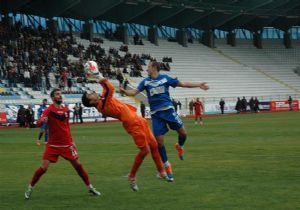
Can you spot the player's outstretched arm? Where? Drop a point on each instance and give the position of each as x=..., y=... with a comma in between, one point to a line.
x=43, y=118
x=202, y=85
x=129, y=92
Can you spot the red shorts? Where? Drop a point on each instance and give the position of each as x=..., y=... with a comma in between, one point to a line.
x=52, y=153
x=140, y=132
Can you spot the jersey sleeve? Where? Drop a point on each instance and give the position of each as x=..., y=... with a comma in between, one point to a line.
x=108, y=89
x=173, y=82
x=141, y=86
x=45, y=114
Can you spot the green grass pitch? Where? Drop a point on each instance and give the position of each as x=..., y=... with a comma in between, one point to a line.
x=232, y=162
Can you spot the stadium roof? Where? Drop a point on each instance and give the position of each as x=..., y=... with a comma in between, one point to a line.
x=200, y=14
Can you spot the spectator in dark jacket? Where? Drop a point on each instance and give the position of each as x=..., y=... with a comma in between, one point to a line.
x=256, y=105
x=290, y=103
x=244, y=104
x=222, y=105
x=21, y=116
x=251, y=104
x=29, y=116
x=238, y=106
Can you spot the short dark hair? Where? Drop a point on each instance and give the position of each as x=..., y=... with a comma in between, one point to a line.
x=85, y=100
x=156, y=65
x=53, y=92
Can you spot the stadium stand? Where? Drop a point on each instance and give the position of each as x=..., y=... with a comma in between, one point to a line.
x=243, y=70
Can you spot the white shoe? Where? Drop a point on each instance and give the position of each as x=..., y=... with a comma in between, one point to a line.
x=132, y=184
x=28, y=192
x=93, y=191
x=163, y=176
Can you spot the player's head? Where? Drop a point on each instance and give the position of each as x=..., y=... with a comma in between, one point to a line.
x=197, y=99
x=90, y=99
x=56, y=96
x=45, y=101
x=153, y=68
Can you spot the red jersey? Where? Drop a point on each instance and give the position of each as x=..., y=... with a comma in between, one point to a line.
x=198, y=107
x=59, y=127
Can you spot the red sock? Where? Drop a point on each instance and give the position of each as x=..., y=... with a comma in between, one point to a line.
x=83, y=174
x=37, y=175
x=138, y=161
x=156, y=158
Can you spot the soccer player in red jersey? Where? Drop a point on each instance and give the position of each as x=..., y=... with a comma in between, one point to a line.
x=60, y=143
x=198, y=111
x=135, y=125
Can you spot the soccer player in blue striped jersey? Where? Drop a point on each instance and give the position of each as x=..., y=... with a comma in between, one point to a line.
x=162, y=110
x=44, y=125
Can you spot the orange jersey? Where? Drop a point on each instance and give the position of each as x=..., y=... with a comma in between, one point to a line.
x=112, y=107
x=135, y=125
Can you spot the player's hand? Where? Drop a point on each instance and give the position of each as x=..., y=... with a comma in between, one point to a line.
x=204, y=86
x=94, y=77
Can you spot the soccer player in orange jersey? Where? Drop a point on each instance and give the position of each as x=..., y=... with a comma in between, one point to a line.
x=135, y=125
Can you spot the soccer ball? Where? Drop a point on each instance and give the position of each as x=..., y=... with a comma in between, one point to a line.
x=91, y=68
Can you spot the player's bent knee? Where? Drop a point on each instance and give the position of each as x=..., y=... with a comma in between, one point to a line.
x=144, y=151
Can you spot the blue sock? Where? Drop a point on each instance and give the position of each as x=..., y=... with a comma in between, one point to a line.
x=163, y=153
x=46, y=137
x=181, y=140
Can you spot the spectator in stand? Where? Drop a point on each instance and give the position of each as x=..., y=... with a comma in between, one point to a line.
x=21, y=116
x=244, y=104
x=80, y=112
x=61, y=84
x=29, y=117
x=27, y=78
x=256, y=105
x=120, y=77
x=44, y=84
x=222, y=105
x=65, y=76
x=191, y=107
x=179, y=104
x=143, y=108
x=290, y=101
x=70, y=84
x=238, y=106
x=251, y=104
x=57, y=77
x=76, y=113
x=125, y=83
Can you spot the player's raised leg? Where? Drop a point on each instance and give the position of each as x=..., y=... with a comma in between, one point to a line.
x=163, y=154
x=181, y=140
